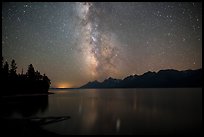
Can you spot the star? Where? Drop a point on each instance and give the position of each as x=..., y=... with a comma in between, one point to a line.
x=19, y=19
x=184, y=39
x=169, y=34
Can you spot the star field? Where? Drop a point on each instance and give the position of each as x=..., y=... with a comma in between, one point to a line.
x=73, y=43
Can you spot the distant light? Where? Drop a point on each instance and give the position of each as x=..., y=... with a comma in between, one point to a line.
x=63, y=85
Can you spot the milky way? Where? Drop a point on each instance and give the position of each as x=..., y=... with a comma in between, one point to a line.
x=98, y=48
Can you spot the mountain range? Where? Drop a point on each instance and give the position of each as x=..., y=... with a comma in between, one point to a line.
x=162, y=79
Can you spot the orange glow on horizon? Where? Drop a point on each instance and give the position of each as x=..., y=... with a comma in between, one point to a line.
x=63, y=85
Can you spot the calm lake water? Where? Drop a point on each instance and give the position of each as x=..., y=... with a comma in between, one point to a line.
x=121, y=111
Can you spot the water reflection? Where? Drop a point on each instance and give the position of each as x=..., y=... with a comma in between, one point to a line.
x=118, y=125
x=127, y=111
x=23, y=106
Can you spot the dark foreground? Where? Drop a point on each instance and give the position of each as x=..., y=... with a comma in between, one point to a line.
x=33, y=126
x=104, y=111
x=28, y=126
x=27, y=105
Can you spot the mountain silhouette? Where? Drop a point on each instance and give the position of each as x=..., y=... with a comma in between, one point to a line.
x=163, y=78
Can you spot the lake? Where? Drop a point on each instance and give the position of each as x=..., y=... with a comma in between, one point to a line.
x=142, y=111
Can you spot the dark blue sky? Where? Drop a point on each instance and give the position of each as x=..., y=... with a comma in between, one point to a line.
x=74, y=43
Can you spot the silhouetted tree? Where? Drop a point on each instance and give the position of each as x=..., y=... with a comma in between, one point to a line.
x=38, y=76
x=13, y=69
x=32, y=81
x=31, y=72
x=5, y=70
x=45, y=78
x=2, y=63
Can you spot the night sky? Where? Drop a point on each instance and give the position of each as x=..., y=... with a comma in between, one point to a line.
x=73, y=43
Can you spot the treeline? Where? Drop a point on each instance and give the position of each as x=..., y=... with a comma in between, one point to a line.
x=30, y=82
